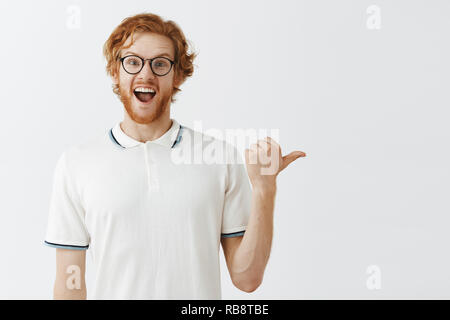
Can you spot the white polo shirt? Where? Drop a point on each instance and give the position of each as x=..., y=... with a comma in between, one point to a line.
x=152, y=224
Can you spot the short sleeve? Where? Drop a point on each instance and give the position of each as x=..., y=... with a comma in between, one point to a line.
x=236, y=211
x=66, y=228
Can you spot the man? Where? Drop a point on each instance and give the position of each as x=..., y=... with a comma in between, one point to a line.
x=153, y=224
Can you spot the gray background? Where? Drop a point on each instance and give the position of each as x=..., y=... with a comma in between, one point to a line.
x=368, y=106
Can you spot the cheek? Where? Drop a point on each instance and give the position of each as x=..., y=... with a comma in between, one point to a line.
x=125, y=82
x=167, y=84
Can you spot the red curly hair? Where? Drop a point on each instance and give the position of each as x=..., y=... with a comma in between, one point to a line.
x=148, y=22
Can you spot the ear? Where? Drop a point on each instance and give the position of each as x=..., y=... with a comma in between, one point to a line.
x=115, y=78
x=176, y=81
x=115, y=75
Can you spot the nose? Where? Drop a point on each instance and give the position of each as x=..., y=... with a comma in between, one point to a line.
x=146, y=72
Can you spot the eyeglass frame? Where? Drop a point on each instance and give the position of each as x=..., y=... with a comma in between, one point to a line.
x=143, y=64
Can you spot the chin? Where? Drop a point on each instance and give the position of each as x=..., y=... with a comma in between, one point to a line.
x=144, y=114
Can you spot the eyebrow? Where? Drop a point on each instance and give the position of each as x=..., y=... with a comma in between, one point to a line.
x=162, y=54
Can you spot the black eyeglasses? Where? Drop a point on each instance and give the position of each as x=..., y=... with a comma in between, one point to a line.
x=160, y=65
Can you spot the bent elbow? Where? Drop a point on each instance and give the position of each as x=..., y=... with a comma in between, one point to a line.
x=248, y=286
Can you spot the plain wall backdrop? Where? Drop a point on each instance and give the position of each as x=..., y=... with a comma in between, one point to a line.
x=361, y=86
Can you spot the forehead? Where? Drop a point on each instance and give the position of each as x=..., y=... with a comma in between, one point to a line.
x=147, y=44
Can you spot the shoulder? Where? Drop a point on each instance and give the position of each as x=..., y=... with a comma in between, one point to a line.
x=87, y=150
x=214, y=144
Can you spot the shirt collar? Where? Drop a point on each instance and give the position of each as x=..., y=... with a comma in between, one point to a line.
x=167, y=139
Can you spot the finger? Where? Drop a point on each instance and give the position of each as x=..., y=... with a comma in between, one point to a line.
x=287, y=159
x=265, y=152
x=270, y=140
x=254, y=147
x=298, y=153
x=263, y=144
x=251, y=154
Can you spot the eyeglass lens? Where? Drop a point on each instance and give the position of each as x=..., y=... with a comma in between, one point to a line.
x=133, y=64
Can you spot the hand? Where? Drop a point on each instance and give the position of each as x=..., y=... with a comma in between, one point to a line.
x=264, y=162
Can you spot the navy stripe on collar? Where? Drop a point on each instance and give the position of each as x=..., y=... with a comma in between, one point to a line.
x=177, y=140
x=179, y=136
x=111, y=135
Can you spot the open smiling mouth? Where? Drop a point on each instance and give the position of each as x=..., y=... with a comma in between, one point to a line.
x=144, y=95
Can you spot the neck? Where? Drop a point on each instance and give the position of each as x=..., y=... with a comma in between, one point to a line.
x=146, y=132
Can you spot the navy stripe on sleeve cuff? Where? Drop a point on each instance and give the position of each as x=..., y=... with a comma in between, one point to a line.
x=65, y=246
x=234, y=234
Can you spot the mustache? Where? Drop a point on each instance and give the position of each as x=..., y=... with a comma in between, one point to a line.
x=145, y=84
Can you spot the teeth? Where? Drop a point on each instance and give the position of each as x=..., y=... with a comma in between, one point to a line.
x=144, y=90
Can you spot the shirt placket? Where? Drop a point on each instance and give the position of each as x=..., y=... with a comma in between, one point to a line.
x=151, y=169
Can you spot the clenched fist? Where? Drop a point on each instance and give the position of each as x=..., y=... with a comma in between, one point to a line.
x=264, y=162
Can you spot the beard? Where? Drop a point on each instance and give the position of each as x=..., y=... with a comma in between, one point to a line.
x=152, y=112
